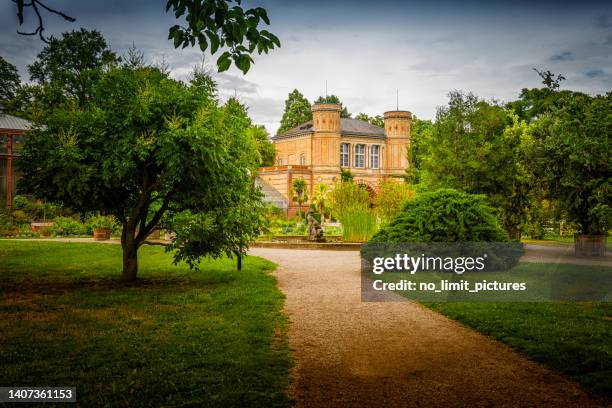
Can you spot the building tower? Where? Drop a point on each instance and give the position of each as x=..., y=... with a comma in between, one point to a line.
x=397, y=130
x=326, y=137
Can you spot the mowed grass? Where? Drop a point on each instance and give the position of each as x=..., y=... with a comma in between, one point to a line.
x=573, y=338
x=213, y=338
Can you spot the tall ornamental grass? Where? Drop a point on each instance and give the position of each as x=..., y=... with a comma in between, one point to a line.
x=359, y=223
x=351, y=204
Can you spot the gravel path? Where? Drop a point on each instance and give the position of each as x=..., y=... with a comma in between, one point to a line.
x=396, y=354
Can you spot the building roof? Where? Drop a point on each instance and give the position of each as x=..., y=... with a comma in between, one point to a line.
x=348, y=126
x=12, y=122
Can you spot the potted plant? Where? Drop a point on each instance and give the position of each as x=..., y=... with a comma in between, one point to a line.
x=101, y=226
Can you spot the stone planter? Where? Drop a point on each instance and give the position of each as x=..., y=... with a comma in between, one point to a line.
x=590, y=245
x=101, y=234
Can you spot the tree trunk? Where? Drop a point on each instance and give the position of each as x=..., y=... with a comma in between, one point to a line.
x=130, y=255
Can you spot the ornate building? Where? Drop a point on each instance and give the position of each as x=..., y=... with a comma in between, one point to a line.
x=320, y=149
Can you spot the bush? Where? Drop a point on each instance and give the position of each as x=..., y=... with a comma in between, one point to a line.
x=444, y=215
x=66, y=226
x=22, y=203
x=20, y=217
x=97, y=221
x=390, y=199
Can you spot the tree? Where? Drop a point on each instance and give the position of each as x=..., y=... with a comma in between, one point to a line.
x=71, y=65
x=9, y=81
x=344, y=113
x=208, y=22
x=470, y=150
x=319, y=199
x=533, y=103
x=569, y=153
x=550, y=80
x=374, y=120
x=146, y=147
x=299, y=193
x=297, y=111
x=266, y=149
x=420, y=134
x=390, y=199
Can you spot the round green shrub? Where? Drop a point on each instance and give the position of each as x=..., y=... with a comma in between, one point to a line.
x=444, y=215
x=66, y=226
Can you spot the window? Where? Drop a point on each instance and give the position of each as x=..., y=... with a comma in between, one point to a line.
x=17, y=143
x=302, y=159
x=360, y=156
x=374, y=156
x=280, y=162
x=3, y=144
x=344, y=155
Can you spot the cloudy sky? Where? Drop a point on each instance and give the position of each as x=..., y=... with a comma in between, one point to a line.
x=366, y=50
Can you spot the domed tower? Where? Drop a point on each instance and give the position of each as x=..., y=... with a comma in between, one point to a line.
x=326, y=137
x=397, y=130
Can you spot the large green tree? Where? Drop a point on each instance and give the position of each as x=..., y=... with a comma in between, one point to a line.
x=569, y=152
x=266, y=149
x=213, y=24
x=9, y=81
x=297, y=111
x=70, y=66
x=146, y=147
x=470, y=149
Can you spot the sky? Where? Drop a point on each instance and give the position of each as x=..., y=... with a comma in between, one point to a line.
x=366, y=51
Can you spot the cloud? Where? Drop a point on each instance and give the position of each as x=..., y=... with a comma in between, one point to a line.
x=604, y=21
x=564, y=56
x=596, y=73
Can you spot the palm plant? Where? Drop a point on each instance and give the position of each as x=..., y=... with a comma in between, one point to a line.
x=319, y=199
x=299, y=193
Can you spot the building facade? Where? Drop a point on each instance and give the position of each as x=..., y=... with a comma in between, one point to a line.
x=320, y=149
x=12, y=131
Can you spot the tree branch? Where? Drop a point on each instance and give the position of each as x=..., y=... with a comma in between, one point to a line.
x=21, y=4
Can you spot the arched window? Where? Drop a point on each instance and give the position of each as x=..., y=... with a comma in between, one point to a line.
x=302, y=159
x=280, y=161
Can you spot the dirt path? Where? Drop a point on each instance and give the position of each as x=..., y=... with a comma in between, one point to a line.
x=396, y=354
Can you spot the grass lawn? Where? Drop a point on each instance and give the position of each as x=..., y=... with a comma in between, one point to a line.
x=176, y=338
x=574, y=338
x=571, y=338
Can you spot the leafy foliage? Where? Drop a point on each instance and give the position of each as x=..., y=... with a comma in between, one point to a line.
x=299, y=192
x=69, y=66
x=390, y=199
x=320, y=198
x=222, y=23
x=475, y=146
x=297, y=111
x=145, y=146
x=420, y=136
x=9, y=80
x=266, y=149
x=569, y=153
x=445, y=215
x=377, y=120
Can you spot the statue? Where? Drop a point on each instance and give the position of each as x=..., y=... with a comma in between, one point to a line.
x=315, y=232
